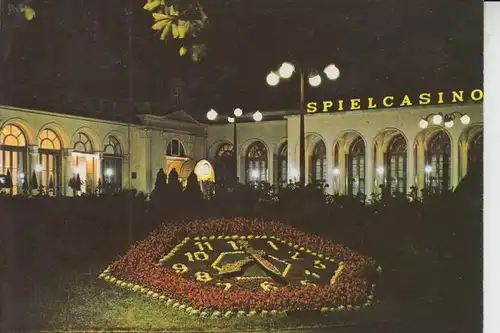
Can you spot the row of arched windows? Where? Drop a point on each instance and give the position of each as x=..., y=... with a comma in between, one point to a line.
x=48, y=170
x=395, y=158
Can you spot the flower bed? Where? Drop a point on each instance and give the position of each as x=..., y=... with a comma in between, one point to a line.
x=140, y=270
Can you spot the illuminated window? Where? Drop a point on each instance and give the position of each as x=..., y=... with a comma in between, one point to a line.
x=438, y=157
x=356, y=167
x=318, y=164
x=83, y=144
x=50, y=160
x=175, y=148
x=111, y=166
x=395, y=164
x=13, y=155
x=256, y=163
x=224, y=165
x=283, y=165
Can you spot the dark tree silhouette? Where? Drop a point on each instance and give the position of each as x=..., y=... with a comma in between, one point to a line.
x=174, y=185
x=160, y=190
x=34, y=182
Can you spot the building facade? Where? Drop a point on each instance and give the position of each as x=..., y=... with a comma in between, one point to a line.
x=352, y=152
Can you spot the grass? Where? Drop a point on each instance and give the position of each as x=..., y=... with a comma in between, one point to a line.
x=79, y=301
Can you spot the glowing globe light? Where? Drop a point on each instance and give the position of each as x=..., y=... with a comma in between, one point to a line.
x=336, y=171
x=272, y=79
x=315, y=80
x=428, y=169
x=437, y=119
x=212, y=114
x=238, y=112
x=465, y=119
x=286, y=70
x=255, y=173
x=38, y=168
x=257, y=116
x=423, y=123
x=380, y=170
x=109, y=172
x=332, y=72
x=230, y=119
x=448, y=124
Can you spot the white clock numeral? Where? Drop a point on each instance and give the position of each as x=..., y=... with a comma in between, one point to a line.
x=316, y=275
x=179, y=268
x=226, y=285
x=203, y=276
x=268, y=286
x=319, y=265
x=234, y=245
x=203, y=245
x=201, y=256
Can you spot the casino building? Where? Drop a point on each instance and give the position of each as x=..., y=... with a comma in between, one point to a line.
x=354, y=151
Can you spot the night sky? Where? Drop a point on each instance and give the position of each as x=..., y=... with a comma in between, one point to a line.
x=78, y=50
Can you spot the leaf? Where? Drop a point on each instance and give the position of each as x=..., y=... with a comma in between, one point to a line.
x=175, y=31
x=29, y=13
x=182, y=51
x=151, y=5
x=172, y=11
x=159, y=16
x=160, y=24
x=182, y=28
x=164, y=33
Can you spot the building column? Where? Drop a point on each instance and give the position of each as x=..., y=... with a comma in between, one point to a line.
x=379, y=162
x=33, y=161
x=67, y=171
x=329, y=167
x=126, y=172
x=97, y=171
x=270, y=169
x=410, y=166
x=293, y=161
x=455, y=178
x=463, y=160
x=369, y=168
x=146, y=167
x=420, y=167
x=342, y=176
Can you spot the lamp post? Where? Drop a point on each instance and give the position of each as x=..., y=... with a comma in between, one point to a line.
x=286, y=71
x=257, y=116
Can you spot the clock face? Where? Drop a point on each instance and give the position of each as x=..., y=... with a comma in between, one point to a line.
x=207, y=259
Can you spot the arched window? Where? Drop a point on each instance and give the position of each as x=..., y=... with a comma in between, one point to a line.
x=283, y=165
x=356, y=167
x=111, y=167
x=83, y=144
x=438, y=162
x=475, y=153
x=83, y=161
x=256, y=162
x=224, y=165
x=318, y=164
x=395, y=164
x=13, y=155
x=175, y=148
x=50, y=159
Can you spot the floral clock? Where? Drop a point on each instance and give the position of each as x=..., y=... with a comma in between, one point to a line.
x=225, y=267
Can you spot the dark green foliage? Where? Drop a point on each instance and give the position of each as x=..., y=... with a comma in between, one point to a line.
x=34, y=182
x=8, y=180
x=159, y=192
x=174, y=185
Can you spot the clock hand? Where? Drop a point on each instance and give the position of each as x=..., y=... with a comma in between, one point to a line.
x=259, y=257
x=235, y=266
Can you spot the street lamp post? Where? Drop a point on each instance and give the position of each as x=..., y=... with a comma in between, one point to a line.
x=257, y=116
x=286, y=71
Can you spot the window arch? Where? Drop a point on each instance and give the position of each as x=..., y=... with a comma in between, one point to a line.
x=83, y=143
x=50, y=159
x=13, y=155
x=438, y=162
x=224, y=165
x=49, y=140
x=283, y=165
x=475, y=153
x=256, y=162
x=176, y=148
x=395, y=164
x=13, y=136
x=318, y=164
x=356, y=167
x=111, y=166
